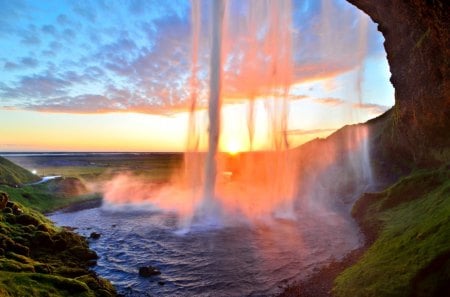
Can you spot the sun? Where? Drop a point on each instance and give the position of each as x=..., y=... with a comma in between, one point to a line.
x=233, y=147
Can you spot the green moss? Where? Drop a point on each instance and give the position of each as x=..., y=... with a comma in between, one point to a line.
x=35, y=284
x=413, y=218
x=39, y=259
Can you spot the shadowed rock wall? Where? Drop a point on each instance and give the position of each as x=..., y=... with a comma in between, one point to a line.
x=417, y=43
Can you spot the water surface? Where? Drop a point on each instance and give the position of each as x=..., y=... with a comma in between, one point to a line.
x=241, y=260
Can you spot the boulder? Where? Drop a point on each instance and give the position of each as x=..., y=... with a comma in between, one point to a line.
x=147, y=271
x=95, y=235
x=25, y=219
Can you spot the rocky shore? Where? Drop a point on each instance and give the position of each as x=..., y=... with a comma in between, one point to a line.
x=37, y=258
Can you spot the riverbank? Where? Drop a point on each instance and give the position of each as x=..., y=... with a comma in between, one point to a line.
x=36, y=257
x=39, y=259
x=406, y=248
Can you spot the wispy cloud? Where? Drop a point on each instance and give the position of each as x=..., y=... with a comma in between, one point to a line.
x=78, y=59
x=329, y=101
x=372, y=108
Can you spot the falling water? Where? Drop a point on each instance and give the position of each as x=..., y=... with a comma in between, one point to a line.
x=249, y=49
x=265, y=71
x=215, y=84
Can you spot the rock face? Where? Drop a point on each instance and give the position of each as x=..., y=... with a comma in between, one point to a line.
x=417, y=42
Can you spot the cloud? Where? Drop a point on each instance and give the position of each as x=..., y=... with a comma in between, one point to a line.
x=91, y=63
x=84, y=10
x=49, y=29
x=36, y=86
x=371, y=107
x=26, y=62
x=329, y=101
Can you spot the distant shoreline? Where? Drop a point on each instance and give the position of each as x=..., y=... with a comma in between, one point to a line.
x=31, y=154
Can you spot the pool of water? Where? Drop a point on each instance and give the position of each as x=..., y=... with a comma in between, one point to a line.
x=243, y=260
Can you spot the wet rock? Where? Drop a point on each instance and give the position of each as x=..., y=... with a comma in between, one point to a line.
x=83, y=253
x=161, y=283
x=25, y=219
x=3, y=200
x=147, y=271
x=95, y=235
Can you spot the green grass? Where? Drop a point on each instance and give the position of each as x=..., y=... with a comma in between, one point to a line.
x=13, y=174
x=40, y=198
x=412, y=219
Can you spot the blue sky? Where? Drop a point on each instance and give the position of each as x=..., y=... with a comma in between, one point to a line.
x=96, y=57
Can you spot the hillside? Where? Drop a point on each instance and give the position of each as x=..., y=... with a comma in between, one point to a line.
x=409, y=226
x=12, y=174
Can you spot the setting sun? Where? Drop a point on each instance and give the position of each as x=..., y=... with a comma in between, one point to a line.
x=233, y=147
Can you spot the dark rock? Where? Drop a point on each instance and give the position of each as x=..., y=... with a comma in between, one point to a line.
x=17, y=211
x=147, y=271
x=20, y=249
x=43, y=227
x=25, y=219
x=42, y=239
x=42, y=268
x=15, y=208
x=3, y=200
x=83, y=253
x=95, y=235
x=10, y=218
x=59, y=245
x=161, y=283
x=417, y=43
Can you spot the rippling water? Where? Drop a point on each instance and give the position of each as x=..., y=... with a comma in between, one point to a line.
x=245, y=260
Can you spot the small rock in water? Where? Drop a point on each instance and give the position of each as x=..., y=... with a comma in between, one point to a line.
x=148, y=271
x=161, y=283
x=113, y=225
x=95, y=235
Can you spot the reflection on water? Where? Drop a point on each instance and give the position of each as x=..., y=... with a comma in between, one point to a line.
x=242, y=260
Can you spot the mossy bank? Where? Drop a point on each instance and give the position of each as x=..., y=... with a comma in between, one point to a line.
x=409, y=225
x=36, y=257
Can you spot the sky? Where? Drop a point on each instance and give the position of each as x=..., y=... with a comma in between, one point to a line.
x=117, y=75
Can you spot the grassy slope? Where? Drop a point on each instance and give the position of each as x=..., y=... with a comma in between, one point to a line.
x=40, y=198
x=13, y=174
x=410, y=225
